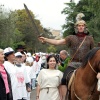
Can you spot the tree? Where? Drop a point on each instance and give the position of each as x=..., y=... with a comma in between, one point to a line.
x=24, y=25
x=7, y=29
x=51, y=49
x=16, y=28
x=94, y=25
x=70, y=19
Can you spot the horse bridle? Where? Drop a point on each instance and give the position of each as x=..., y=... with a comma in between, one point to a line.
x=93, y=88
x=92, y=67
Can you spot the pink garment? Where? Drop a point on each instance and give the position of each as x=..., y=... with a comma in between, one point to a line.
x=36, y=66
x=4, y=76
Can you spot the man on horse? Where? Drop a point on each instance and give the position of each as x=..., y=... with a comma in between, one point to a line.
x=79, y=43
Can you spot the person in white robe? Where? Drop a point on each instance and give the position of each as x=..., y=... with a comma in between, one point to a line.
x=48, y=81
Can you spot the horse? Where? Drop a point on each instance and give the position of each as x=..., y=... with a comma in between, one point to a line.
x=84, y=85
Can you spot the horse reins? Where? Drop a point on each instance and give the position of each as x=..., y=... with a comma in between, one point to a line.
x=92, y=68
x=93, y=88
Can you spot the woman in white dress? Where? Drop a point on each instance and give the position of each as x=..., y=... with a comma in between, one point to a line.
x=49, y=80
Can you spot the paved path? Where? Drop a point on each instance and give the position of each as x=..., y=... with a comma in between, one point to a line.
x=33, y=94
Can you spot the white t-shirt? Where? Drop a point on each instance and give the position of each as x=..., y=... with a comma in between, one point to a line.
x=33, y=71
x=22, y=79
x=29, y=71
x=37, y=66
x=19, y=78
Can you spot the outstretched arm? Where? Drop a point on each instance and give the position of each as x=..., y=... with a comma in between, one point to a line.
x=52, y=41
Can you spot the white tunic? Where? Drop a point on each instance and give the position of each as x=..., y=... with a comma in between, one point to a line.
x=49, y=80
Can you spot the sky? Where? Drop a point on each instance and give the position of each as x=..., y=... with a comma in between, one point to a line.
x=47, y=11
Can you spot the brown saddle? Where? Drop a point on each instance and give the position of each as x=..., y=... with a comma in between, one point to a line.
x=70, y=77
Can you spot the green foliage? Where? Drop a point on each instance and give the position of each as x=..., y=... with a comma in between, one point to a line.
x=17, y=29
x=25, y=26
x=51, y=48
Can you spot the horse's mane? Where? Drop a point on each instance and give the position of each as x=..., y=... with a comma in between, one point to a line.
x=89, y=55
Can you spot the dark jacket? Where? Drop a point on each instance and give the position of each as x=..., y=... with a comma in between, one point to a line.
x=3, y=95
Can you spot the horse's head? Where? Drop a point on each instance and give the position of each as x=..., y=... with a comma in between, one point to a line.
x=93, y=59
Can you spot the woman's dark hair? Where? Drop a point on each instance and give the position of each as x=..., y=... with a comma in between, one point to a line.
x=7, y=54
x=48, y=58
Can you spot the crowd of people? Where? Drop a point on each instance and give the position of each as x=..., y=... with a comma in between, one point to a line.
x=21, y=72
x=18, y=73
